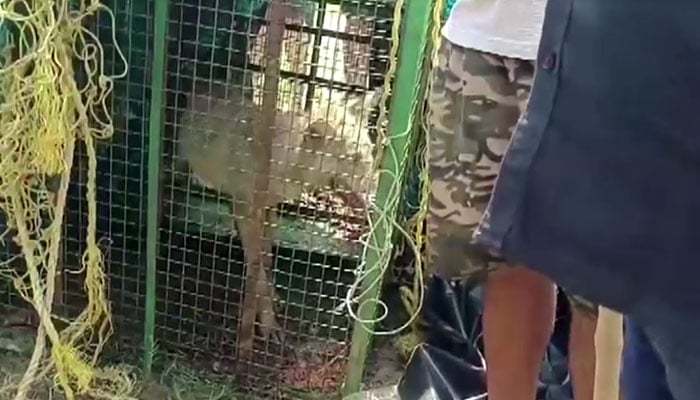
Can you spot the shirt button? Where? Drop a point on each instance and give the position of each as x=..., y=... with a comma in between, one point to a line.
x=549, y=62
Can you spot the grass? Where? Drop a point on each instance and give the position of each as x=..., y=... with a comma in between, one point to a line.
x=184, y=383
x=176, y=381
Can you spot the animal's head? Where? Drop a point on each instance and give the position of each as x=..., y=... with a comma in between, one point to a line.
x=338, y=158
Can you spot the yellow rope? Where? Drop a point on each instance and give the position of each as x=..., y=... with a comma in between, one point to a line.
x=412, y=298
x=44, y=111
x=435, y=40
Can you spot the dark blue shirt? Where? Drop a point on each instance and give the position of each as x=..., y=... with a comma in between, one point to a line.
x=600, y=189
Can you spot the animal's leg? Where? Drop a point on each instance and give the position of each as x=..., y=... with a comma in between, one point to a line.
x=263, y=289
x=268, y=325
x=249, y=306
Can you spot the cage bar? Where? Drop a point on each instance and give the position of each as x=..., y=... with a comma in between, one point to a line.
x=155, y=133
x=402, y=112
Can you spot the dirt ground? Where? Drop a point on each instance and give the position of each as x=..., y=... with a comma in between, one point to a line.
x=152, y=390
x=176, y=381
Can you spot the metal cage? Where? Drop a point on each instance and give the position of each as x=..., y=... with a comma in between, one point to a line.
x=172, y=240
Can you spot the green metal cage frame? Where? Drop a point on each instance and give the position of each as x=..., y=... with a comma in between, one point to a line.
x=402, y=113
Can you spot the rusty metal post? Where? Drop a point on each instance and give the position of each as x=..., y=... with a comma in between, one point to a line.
x=259, y=246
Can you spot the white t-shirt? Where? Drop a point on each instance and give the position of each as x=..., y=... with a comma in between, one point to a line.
x=509, y=28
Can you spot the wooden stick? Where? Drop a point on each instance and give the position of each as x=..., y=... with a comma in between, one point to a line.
x=258, y=244
x=608, y=349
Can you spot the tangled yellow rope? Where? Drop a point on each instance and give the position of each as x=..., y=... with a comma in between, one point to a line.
x=44, y=110
x=412, y=297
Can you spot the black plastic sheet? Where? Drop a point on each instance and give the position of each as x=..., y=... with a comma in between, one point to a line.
x=450, y=365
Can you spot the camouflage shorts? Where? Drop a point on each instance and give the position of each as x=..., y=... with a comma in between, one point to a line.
x=475, y=104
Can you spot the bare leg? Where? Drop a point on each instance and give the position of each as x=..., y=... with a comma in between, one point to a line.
x=582, y=358
x=519, y=306
x=608, y=350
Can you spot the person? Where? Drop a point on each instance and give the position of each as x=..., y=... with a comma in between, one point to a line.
x=480, y=85
x=641, y=367
x=599, y=187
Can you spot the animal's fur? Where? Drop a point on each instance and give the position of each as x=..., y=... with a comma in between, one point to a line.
x=216, y=133
x=215, y=138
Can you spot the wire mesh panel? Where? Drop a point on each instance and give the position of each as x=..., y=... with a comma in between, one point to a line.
x=240, y=222
x=120, y=191
x=121, y=180
x=319, y=182
x=121, y=174
x=79, y=48
x=10, y=302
